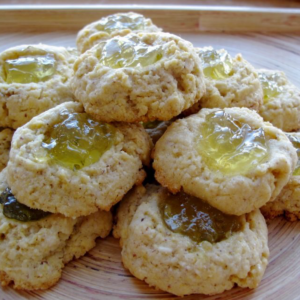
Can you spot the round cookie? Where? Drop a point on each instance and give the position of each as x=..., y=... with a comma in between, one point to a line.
x=50, y=183
x=139, y=77
x=174, y=262
x=33, y=78
x=230, y=81
x=5, y=140
x=32, y=254
x=281, y=105
x=118, y=24
x=236, y=165
x=287, y=203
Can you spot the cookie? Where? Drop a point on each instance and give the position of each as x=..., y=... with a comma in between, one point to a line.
x=229, y=158
x=33, y=79
x=230, y=81
x=174, y=262
x=139, y=77
x=5, y=140
x=118, y=24
x=281, y=105
x=33, y=254
x=70, y=164
x=287, y=203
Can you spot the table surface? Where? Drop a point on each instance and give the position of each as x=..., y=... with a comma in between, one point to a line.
x=251, y=3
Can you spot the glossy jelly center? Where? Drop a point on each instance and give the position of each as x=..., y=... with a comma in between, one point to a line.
x=198, y=220
x=121, y=21
x=216, y=64
x=121, y=52
x=270, y=86
x=232, y=147
x=27, y=69
x=296, y=143
x=13, y=209
x=78, y=141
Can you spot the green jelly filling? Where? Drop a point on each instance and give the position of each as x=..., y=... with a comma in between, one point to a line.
x=78, y=141
x=232, y=147
x=27, y=69
x=13, y=209
x=120, y=22
x=121, y=52
x=271, y=89
x=198, y=220
x=216, y=64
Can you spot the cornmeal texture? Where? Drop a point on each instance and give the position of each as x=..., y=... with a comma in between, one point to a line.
x=287, y=203
x=19, y=102
x=91, y=34
x=283, y=110
x=158, y=91
x=174, y=263
x=241, y=89
x=5, y=140
x=179, y=166
x=71, y=192
x=32, y=254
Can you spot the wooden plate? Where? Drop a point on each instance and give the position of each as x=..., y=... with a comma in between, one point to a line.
x=100, y=274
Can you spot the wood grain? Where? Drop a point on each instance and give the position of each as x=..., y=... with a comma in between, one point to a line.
x=170, y=18
x=238, y=3
x=100, y=274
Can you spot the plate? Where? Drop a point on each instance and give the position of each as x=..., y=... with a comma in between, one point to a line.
x=100, y=274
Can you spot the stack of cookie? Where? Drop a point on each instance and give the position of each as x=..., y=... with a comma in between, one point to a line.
x=222, y=163
x=89, y=122
x=235, y=163
x=228, y=158
x=65, y=169
x=281, y=107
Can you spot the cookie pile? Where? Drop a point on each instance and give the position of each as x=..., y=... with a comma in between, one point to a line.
x=86, y=125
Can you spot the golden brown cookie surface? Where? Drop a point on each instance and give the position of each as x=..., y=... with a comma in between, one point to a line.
x=118, y=24
x=230, y=81
x=281, y=105
x=33, y=78
x=236, y=165
x=175, y=263
x=139, y=77
x=76, y=182
x=5, y=140
x=287, y=203
x=33, y=253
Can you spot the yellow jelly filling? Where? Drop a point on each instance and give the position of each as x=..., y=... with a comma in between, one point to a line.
x=27, y=69
x=198, y=220
x=296, y=143
x=120, y=22
x=270, y=86
x=229, y=146
x=217, y=64
x=78, y=141
x=121, y=52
